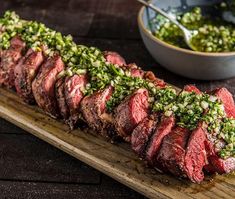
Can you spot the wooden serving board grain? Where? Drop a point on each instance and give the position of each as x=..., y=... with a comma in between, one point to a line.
x=115, y=160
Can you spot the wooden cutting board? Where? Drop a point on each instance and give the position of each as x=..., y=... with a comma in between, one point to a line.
x=115, y=160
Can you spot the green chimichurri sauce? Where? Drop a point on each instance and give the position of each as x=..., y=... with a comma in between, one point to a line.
x=214, y=34
x=188, y=108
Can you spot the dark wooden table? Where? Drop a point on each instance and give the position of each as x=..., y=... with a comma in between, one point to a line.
x=31, y=168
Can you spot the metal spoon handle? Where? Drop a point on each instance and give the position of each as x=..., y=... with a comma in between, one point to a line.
x=158, y=10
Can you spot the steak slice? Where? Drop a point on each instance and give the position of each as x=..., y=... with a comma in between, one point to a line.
x=44, y=85
x=195, y=156
x=192, y=88
x=114, y=58
x=93, y=109
x=163, y=128
x=134, y=70
x=73, y=93
x=149, y=75
x=61, y=100
x=194, y=161
x=142, y=134
x=216, y=163
x=9, y=59
x=25, y=72
x=221, y=166
x=213, y=144
x=130, y=112
x=227, y=99
x=171, y=156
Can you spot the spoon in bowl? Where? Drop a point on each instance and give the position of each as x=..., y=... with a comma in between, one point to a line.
x=188, y=34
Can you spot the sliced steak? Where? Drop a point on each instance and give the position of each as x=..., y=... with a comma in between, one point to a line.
x=201, y=142
x=134, y=70
x=73, y=92
x=216, y=163
x=142, y=134
x=227, y=99
x=94, y=109
x=182, y=152
x=114, y=58
x=171, y=156
x=149, y=75
x=61, y=99
x=130, y=112
x=44, y=85
x=195, y=156
x=192, y=88
x=9, y=59
x=25, y=72
x=221, y=166
x=163, y=128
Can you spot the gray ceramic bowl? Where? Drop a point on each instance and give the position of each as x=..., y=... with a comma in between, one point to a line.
x=196, y=65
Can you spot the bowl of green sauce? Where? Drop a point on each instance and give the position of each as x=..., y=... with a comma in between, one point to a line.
x=214, y=42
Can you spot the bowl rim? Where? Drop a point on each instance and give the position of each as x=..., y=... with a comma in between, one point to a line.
x=150, y=35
